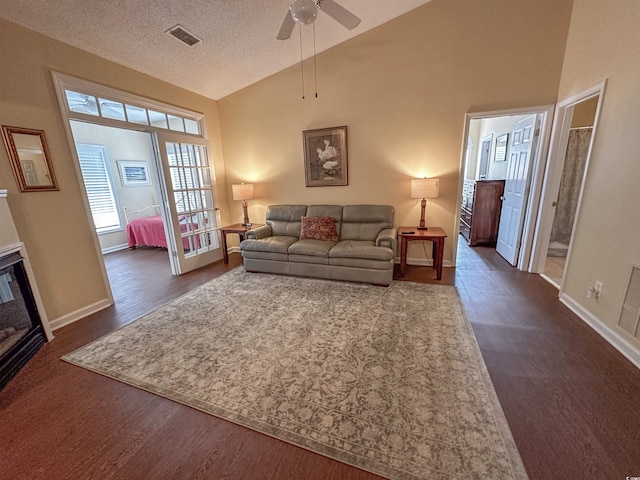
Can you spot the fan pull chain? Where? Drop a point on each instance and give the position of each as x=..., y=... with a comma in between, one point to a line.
x=315, y=66
x=301, y=64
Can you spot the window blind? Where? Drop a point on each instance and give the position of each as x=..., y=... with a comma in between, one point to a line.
x=97, y=182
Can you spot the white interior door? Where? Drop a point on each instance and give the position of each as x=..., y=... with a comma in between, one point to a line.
x=189, y=205
x=516, y=190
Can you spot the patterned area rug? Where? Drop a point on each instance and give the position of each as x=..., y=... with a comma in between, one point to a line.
x=389, y=380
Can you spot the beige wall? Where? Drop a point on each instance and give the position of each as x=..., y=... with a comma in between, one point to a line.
x=54, y=225
x=603, y=44
x=403, y=90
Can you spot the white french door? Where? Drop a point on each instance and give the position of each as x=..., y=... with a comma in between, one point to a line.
x=188, y=188
x=516, y=190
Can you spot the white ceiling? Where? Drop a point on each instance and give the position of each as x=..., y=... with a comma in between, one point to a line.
x=239, y=36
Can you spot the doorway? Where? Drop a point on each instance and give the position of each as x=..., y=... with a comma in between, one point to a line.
x=573, y=136
x=494, y=134
x=177, y=161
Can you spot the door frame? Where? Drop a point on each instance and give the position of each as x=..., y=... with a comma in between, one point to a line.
x=537, y=172
x=180, y=263
x=63, y=81
x=553, y=174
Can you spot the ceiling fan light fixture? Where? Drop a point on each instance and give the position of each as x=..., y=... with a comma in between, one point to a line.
x=304, y=11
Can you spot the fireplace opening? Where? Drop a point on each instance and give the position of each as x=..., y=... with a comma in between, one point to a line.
x=21, y=331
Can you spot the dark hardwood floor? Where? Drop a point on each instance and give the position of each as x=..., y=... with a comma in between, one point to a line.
x=572, y=401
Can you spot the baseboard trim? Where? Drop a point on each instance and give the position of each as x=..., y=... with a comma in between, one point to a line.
x=79, y=314
x=115, y=249
x=233, y=250
x=626, y=348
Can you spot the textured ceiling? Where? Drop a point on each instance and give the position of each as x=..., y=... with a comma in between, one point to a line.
x=239, y=36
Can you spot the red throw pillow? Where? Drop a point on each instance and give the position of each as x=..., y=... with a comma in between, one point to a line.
x=318, y=228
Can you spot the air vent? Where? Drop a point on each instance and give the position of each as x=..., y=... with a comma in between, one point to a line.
x=183, y=35
x=630, y=316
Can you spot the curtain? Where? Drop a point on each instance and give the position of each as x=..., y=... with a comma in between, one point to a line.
x=572, y=173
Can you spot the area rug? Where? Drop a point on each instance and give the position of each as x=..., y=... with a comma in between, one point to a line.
x=389, y=380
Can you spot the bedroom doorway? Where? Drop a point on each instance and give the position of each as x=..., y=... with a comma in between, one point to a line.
x=488, y=141
x=188, y=224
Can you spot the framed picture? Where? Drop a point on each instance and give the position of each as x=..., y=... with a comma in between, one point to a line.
x=325, y=157
x=134, y=174
x=501, y=148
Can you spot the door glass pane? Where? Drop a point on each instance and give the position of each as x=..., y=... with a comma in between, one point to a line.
x=193, y=199
x=174, y=154
x=176, y=178
x=111, y=109
x=205, y=177
x=180, y=202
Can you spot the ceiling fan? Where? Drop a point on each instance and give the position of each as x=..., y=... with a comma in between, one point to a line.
x=304, y=12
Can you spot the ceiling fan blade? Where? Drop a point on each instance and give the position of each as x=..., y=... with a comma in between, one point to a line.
x=287, y=26
x=339, y=14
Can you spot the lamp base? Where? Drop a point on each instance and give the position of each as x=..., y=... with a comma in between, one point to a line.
x=422, y=228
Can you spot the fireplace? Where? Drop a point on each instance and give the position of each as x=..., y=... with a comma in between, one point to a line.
x=21, y=331
x=23, y=322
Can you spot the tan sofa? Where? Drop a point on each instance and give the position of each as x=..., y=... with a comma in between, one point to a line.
x=364, y=251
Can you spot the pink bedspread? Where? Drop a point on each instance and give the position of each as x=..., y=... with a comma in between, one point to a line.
x=149, y=231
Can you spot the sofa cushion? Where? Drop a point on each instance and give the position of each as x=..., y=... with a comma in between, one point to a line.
x=360, y=249
x=318, y=248
x=318, y=228
x=285, y=219
x=277, y=244
x=364, y=222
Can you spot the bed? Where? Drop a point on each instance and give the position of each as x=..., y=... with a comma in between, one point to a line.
x=149, y=231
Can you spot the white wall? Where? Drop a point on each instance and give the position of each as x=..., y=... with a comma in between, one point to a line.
x=603, y=44
x=496, y=126
x=121, y=145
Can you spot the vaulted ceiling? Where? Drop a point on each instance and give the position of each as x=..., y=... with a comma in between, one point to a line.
x=238, y=47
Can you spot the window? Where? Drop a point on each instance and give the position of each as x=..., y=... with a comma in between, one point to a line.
x=88, y=104
x=97, y=181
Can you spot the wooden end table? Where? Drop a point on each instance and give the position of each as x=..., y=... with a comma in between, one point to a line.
x=238, y=228
x=435, y=235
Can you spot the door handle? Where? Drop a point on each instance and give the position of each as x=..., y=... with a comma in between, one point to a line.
x=502, y=198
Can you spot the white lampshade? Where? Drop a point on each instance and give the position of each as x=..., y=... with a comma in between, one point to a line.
x=304, y=11
x=425, y=188
x=242, y=191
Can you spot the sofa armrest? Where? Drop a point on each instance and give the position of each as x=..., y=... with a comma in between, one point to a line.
x=262, y=231
x=387, y=238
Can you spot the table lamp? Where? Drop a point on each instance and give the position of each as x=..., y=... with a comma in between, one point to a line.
x=244, y=192
x=424, y=188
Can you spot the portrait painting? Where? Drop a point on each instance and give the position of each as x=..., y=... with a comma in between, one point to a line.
x=325, y=157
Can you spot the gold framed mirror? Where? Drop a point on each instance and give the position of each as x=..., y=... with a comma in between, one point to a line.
x=30, y=159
